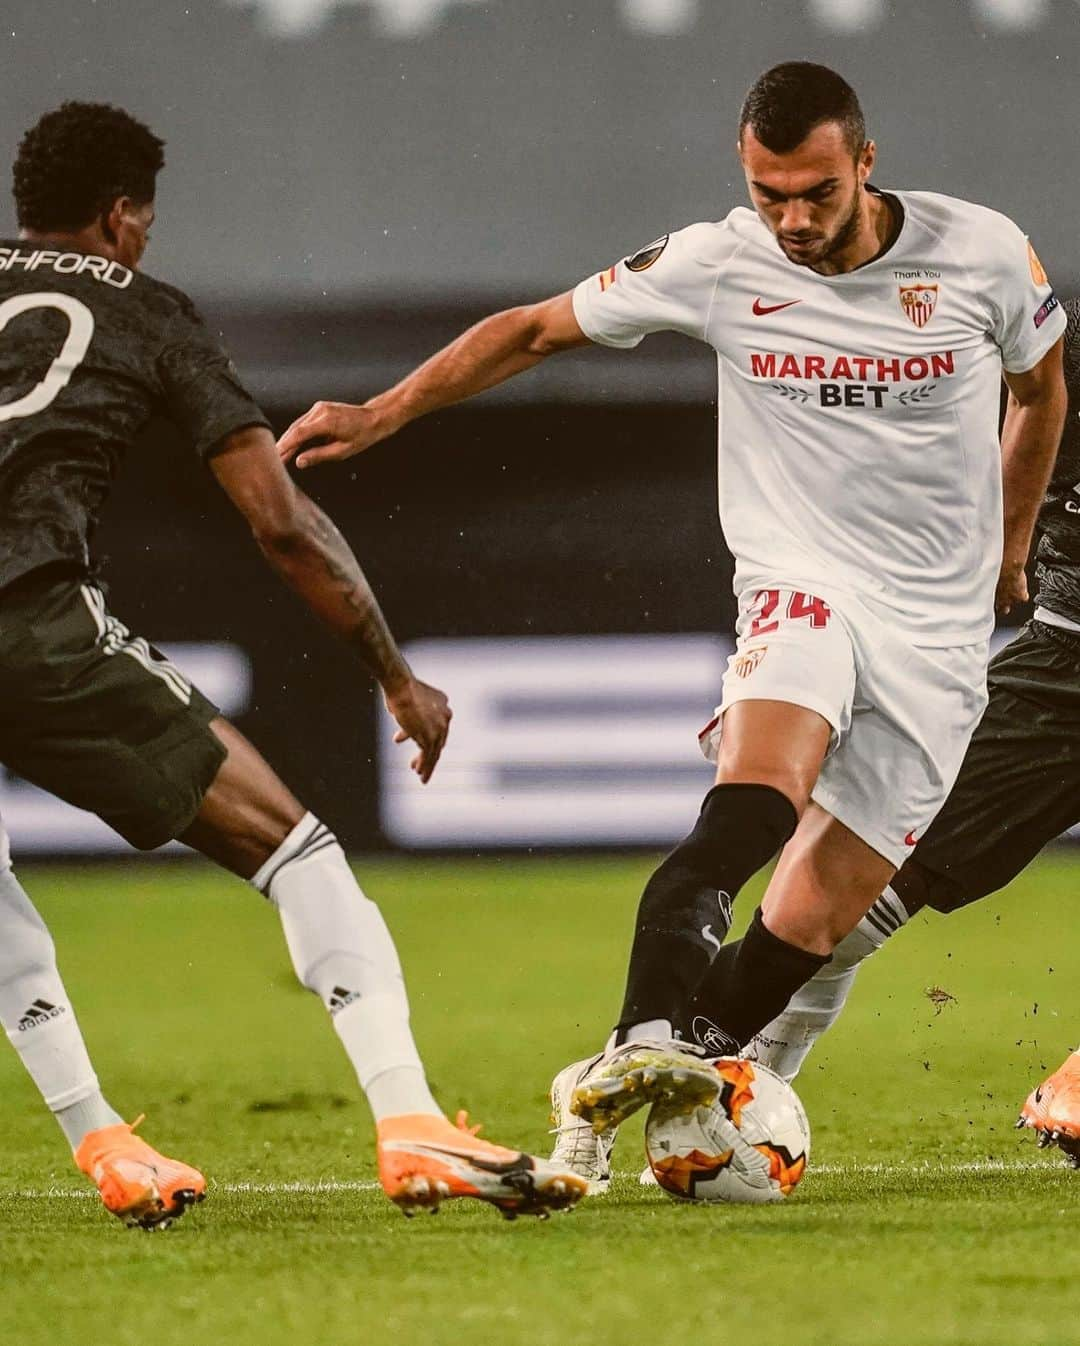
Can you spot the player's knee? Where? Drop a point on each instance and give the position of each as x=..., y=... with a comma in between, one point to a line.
x=729, y=813
x=286, y=850
x=740, y=827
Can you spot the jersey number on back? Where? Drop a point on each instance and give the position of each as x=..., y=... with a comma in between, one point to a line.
x=72, y=352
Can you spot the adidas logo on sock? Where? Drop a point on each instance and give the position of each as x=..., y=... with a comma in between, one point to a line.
x=340, y=997
x=40, y=1012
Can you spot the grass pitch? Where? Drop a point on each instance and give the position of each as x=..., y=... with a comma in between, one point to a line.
x=924, y=1219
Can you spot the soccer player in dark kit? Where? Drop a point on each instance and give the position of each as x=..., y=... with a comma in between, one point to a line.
x=90, y=349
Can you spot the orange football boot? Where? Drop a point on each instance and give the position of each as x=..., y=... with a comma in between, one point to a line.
x=137, y=1184
x=423, y=1161
x=1053, y=1110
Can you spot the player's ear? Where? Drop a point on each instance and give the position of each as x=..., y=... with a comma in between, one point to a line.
x=113, y=216
x=867, y=159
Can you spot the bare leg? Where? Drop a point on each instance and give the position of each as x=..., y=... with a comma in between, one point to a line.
x=773, y=743
x=825, y=881
x=248, y=810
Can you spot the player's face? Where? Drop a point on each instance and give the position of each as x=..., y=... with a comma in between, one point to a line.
x=812, y=197
x=130, y=222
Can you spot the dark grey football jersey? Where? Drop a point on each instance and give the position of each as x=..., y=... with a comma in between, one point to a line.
x=1058, y=554
x=89, y=353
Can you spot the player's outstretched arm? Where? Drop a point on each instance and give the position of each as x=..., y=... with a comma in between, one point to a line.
x=1034, y=421
x=304, y=547
x=494, y=350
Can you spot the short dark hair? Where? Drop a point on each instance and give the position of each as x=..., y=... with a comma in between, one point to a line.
x=76, y=161
x=790, y=100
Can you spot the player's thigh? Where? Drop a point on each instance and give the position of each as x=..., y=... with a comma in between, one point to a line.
x=97, y=717
x=773, y=743
x=1019, y=785
x=247, y=811
x=826, y=879
x=787, y=693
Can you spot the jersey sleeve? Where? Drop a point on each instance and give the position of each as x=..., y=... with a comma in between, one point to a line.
x=201, y=389
x=666, y=287
x=1027, y=316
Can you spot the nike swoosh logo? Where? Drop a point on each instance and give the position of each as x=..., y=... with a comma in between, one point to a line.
x=519, y=1164
x=910, y=839
x=711, y=1036
x=707, y=933
x=761, y=309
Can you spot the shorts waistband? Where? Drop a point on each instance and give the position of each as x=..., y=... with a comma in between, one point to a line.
x=1069, y=640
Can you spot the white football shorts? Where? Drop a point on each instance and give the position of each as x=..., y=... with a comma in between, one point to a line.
x=901, y=714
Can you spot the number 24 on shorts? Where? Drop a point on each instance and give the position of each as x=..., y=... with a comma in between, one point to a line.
x=799, y=606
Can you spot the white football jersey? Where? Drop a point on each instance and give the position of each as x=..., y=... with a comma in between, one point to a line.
x=858, y=413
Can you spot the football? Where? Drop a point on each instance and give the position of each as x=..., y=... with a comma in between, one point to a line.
x=750, y=1145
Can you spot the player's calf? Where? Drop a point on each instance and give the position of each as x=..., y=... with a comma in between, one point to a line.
x=685, y=911
x=784, y=1044
x=38, y=1017
x=750, y=982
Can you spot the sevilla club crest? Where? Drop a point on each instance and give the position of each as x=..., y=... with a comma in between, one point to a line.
x=919, y=302
x=748, y=661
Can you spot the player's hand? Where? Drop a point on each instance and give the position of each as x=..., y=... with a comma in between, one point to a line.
x=331, y=432
x=423, y=715
x=1012, y=584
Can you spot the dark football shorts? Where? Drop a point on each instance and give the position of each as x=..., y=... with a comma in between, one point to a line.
x=1019, y=786
x=97, y=716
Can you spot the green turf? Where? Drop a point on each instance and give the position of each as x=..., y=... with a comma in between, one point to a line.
x=515, y=967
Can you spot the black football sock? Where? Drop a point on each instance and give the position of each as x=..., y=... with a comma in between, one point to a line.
x=685, y=911
x=749, y=983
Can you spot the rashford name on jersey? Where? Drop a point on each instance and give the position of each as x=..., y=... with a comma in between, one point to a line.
x=66, y=264
x=90, y=351
x=857, y=413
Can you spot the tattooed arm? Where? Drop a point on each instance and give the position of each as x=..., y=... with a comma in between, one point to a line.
x=304, y=547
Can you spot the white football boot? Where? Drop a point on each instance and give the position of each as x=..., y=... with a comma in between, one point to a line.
x=577, y=1146
x=627, y=1077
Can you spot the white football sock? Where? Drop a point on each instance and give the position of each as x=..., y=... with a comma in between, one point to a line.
x=38, y=1018
x=650, y=1030
x=89, y=1114
x=342, y=950
x=784, y=1044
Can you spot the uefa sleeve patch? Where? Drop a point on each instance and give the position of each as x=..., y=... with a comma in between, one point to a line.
x=1044, y=310
x=641, y=261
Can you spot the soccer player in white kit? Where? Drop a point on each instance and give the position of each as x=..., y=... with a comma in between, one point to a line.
x=860, y=336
